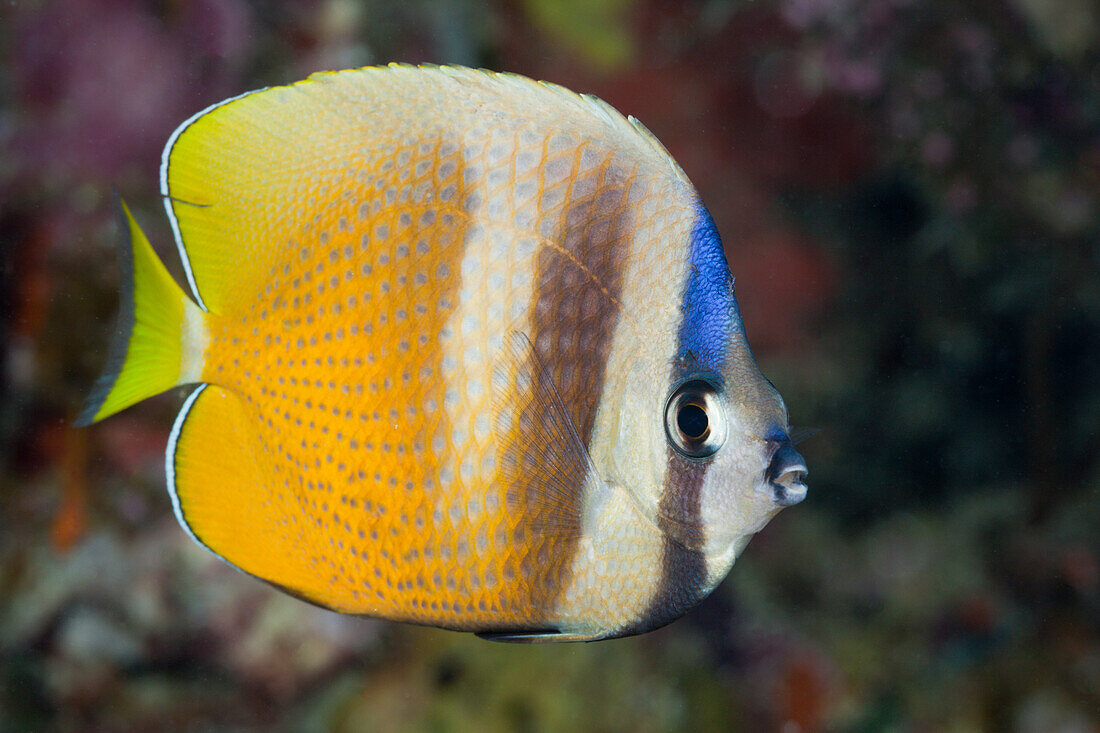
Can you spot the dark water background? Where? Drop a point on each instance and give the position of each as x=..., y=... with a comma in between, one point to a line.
x=908, y=192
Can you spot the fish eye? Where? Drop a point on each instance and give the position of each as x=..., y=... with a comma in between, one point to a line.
x=695, y=423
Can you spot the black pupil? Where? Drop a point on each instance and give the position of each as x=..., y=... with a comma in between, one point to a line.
x=692, y=421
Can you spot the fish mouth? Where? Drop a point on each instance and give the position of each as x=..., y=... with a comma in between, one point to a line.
x=786, y=475
x=788, y=494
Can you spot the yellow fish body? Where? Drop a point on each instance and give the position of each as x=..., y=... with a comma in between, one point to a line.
x=466, y=352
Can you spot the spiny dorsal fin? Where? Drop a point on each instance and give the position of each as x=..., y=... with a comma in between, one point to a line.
x=243, y=178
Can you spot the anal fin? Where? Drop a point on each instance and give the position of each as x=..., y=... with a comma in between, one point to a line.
x=212, y=475
x=231, y=498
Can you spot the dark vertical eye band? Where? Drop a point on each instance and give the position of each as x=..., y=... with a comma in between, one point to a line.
x=695, y=423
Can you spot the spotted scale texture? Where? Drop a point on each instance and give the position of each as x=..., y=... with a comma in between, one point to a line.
x=339, y=364
x=390, y=445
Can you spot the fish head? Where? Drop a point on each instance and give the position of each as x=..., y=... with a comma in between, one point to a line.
x=731, y=461
x=707, y=453
x=705, y=437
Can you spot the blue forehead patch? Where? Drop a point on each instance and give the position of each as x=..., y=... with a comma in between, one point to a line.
x=710, y=314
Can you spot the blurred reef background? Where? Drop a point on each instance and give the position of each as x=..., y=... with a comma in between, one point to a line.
x=908, y=191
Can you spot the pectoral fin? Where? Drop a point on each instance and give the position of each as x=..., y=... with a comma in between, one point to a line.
x=544, y=462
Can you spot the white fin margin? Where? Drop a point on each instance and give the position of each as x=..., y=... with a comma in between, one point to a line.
x=164, y=158
x=170, y=460
x=170, y=470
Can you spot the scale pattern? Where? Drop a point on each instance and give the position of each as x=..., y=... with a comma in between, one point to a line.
x=401, y=462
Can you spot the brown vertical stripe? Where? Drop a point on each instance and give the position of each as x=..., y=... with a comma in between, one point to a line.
x=575, y=311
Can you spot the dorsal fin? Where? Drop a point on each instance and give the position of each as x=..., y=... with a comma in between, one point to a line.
x=244, y=178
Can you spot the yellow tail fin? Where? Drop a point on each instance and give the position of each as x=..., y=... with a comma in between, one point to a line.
x=159, y=335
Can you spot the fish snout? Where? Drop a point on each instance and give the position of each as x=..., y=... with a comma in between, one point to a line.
x=786, y=475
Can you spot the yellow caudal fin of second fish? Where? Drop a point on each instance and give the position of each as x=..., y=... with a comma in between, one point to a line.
x=159, y=335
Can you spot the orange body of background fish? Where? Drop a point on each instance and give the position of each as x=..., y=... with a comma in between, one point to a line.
x=465, y=352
